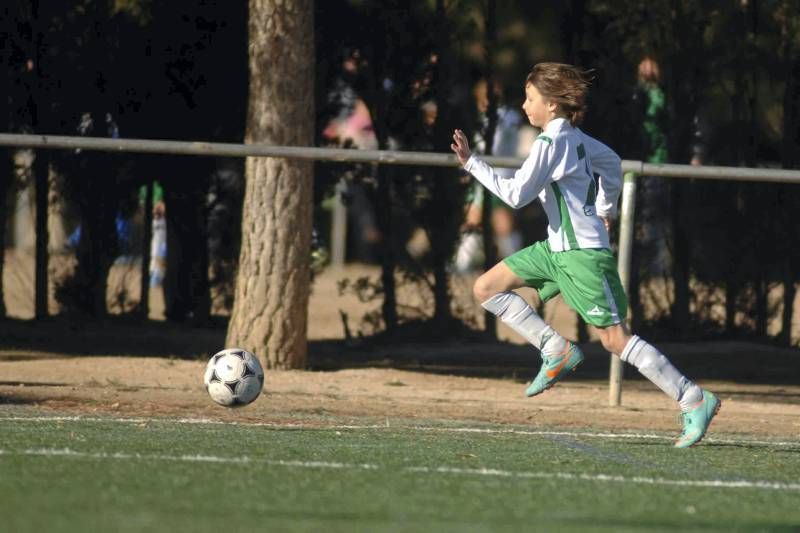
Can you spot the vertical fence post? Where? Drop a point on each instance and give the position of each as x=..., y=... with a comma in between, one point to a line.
x=339, y=225
x=624, y=267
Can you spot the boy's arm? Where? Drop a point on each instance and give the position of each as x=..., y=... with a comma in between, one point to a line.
x=526, y=183
x=608, y=165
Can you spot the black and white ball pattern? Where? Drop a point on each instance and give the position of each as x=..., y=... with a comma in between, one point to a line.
x=234, y=377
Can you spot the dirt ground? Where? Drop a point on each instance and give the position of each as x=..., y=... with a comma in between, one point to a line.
x=128, y=369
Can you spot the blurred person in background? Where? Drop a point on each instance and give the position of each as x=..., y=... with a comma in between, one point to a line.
x=350, y=125
x=469, y=253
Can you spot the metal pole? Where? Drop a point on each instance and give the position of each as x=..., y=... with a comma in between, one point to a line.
x=387, y=157
x=624, y=267
x=339, y=224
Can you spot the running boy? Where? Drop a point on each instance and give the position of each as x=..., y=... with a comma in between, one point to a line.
x=576, y=259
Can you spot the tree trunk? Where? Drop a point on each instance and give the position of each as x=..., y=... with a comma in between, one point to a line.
x=789, y=159
x=6, y=161
x=731, y=292
x=147, y=237
x=761, y=291
x=186, y=285
x=442, y=246
x=388, y=261
x=377, y=100
x=639, y=267
x=789, y=293
x=489, y=244
x=270, y=309
x=6, y=177
x=41, y=173
x=446, y=202
x=98, y=201
x=680, y=259
x=41, y=167
x=572, y=30
x=682, y=81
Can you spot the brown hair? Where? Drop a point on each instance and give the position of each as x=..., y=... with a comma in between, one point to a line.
x=566, y=85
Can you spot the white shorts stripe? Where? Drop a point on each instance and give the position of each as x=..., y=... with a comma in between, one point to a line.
x=612, y=303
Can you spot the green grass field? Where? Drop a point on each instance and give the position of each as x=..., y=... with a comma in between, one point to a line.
x=103, y=474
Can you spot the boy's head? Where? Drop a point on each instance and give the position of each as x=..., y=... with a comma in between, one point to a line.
x=555, y=90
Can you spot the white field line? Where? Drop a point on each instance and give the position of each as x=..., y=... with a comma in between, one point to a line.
x=273, y=425
x=716, y=483
x=603, y=478
x=66, y=452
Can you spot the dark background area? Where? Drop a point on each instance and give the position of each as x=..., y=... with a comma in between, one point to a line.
x=729, y=77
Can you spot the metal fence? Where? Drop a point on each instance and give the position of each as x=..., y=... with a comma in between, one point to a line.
x=632, y=169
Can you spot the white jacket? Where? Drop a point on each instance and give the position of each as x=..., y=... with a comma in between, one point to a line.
x=560, y=171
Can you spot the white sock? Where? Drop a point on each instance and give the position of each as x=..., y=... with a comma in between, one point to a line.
x=512, y=309
x=656, y=367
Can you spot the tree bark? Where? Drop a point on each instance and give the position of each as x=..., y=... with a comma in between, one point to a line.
x=147, y=236
x=271, y=300
x=377, y=100
x=41, y=167
x=680, y=259
x=186, y=284
x=388, y=260
x=787, y=315
x=97, y=201
x=41, y=173
x=789, y=159
x=682, y=79
x=6, y=177
x=6, y=161
x=489, y=244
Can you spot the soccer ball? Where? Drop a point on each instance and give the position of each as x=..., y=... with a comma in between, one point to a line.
x=234, y=377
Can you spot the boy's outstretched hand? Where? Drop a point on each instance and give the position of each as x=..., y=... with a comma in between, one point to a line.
x=461, y=147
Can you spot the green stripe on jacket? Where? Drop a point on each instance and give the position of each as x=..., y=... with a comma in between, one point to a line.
x=566, y=222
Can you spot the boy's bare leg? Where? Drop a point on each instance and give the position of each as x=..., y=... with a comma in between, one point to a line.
x=494, y=289
x=497, y=279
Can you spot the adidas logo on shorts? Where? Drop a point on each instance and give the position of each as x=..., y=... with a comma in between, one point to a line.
x=595, y=311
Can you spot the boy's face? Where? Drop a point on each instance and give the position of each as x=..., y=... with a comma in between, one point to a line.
x=539, y=109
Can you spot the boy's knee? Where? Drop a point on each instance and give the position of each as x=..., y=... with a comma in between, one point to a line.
x=613, y=339
x=608, y=343
x=482, y=289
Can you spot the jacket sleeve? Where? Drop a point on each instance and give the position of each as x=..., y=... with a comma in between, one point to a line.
x=608, y=165
x=525, y=185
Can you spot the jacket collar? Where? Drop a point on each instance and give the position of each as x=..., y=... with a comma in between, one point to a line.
x=555, y=125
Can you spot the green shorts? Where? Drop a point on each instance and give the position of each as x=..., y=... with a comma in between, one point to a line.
x=587, y=279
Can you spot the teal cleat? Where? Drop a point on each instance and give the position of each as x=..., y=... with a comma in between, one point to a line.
x=696, y=421
x=554, y=368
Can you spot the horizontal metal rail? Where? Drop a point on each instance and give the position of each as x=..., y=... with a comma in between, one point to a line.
x=388, y=157
x=633, y=169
